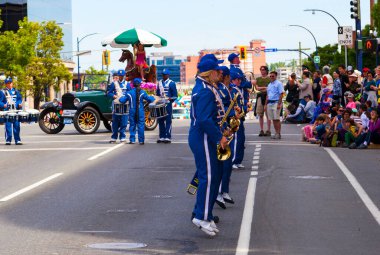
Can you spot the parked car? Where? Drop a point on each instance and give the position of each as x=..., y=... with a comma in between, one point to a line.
x=85, y=109
x=181, y=113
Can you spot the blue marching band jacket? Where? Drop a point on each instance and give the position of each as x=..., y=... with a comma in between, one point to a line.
x=15, y=97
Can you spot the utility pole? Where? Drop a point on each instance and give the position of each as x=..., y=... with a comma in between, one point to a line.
x=300, y=56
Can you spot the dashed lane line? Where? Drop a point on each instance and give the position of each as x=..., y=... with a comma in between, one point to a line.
x=246, y=223
x=105, y=152
x=357, y=187
x=29, y=188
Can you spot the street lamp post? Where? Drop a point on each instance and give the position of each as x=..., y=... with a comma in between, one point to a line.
x=78, y=54
x=316, y=45
x=318, y=10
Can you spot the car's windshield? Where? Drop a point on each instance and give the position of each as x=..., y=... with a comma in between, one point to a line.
x=95, y=81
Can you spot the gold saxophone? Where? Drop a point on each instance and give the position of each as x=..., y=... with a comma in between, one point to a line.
x=224, y=154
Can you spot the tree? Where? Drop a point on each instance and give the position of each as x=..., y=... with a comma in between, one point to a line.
x=32, y=56
x=376, y=16
x=274, y=66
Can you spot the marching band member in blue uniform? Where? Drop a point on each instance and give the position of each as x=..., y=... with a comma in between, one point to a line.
x=237, y=148
x=204, y=135
x=235, y=68
x=13, y=102
x=167, y=89
x=136, y=99
x=119, y=117
x=225, y=95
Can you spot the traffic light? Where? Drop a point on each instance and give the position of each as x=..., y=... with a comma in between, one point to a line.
x=355, y=9
x=371, y=45
x=243, y=52
x=106, y=58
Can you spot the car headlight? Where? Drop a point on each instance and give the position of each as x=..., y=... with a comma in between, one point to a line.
x=76, y=102
x=55, y=102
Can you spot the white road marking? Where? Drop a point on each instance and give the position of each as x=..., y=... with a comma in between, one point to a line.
x=255, y=167
x=256, y=157
x=54, y=149
x=106, y=151
x=96, y=231
x=258, y=149
x=66, y=141
x=254, y=162
x=33, y=186
x=246, y=223
x=258, y=146
x=356, y=185
x=254, y=173
x=257, y=153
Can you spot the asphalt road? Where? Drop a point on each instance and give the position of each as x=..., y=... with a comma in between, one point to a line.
x=70, y=194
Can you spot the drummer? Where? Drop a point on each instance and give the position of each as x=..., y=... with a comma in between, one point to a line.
x=13, y=102
x=166, y=89
x=119, y=120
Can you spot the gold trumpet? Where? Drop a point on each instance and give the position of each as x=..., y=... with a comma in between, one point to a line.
x=224, y=154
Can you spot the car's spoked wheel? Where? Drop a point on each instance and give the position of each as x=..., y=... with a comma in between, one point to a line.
x=50, y=122
x=87, y=121
x=150, y=122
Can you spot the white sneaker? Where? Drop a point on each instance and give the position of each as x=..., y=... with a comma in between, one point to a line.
x=123, y=140
x=205, y=226
x=213, y=225
x=234, y=166
x=167, y=140
x=220, y=201
x=113, y=141
x=240, y=166
x=227, y=198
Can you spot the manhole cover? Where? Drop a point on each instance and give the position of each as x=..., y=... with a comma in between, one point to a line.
x=116, y=246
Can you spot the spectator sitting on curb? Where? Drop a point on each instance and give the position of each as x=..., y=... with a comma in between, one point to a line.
x=319, y=128
x=304, y=113
x=352, y=132
x=373, y=134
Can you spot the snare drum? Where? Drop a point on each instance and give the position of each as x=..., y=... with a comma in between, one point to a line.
x=121, y=109
x=33, y=115
x=23, y=117
x=11, y=117
x=158, y=110
x=2, y=117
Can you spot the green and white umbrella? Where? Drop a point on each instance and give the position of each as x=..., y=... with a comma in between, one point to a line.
x=133, y=36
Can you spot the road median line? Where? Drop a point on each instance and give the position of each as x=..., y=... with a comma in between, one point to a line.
x=29, y=188
x=105, y=152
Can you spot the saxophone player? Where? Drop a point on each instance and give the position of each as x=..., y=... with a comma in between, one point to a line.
x=119, y=111
x=204, y=135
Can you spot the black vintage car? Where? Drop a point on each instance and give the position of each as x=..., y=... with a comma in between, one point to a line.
x=85, y=109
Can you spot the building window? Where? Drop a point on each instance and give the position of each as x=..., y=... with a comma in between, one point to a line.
x=169, y=61
x=160, y=62
x=178, y=62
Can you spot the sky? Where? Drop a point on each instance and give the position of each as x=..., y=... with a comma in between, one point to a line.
x=192, y=25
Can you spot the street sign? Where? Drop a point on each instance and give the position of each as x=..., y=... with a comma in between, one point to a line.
x=270, y=50
x=345, y=35
x=317, y=59
x=257, y=50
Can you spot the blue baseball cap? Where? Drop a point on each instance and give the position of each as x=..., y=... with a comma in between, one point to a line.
x=232, y=56
x=121, y=72
x=137, y=81
x=235, y=75
x=212, y=57
x=225, y=70
x=208, y=65
x=8, y=80
x=166, y=71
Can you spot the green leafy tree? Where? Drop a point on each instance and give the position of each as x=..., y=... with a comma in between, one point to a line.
x=274, y=66
x=376, y=16
x=32, y=56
